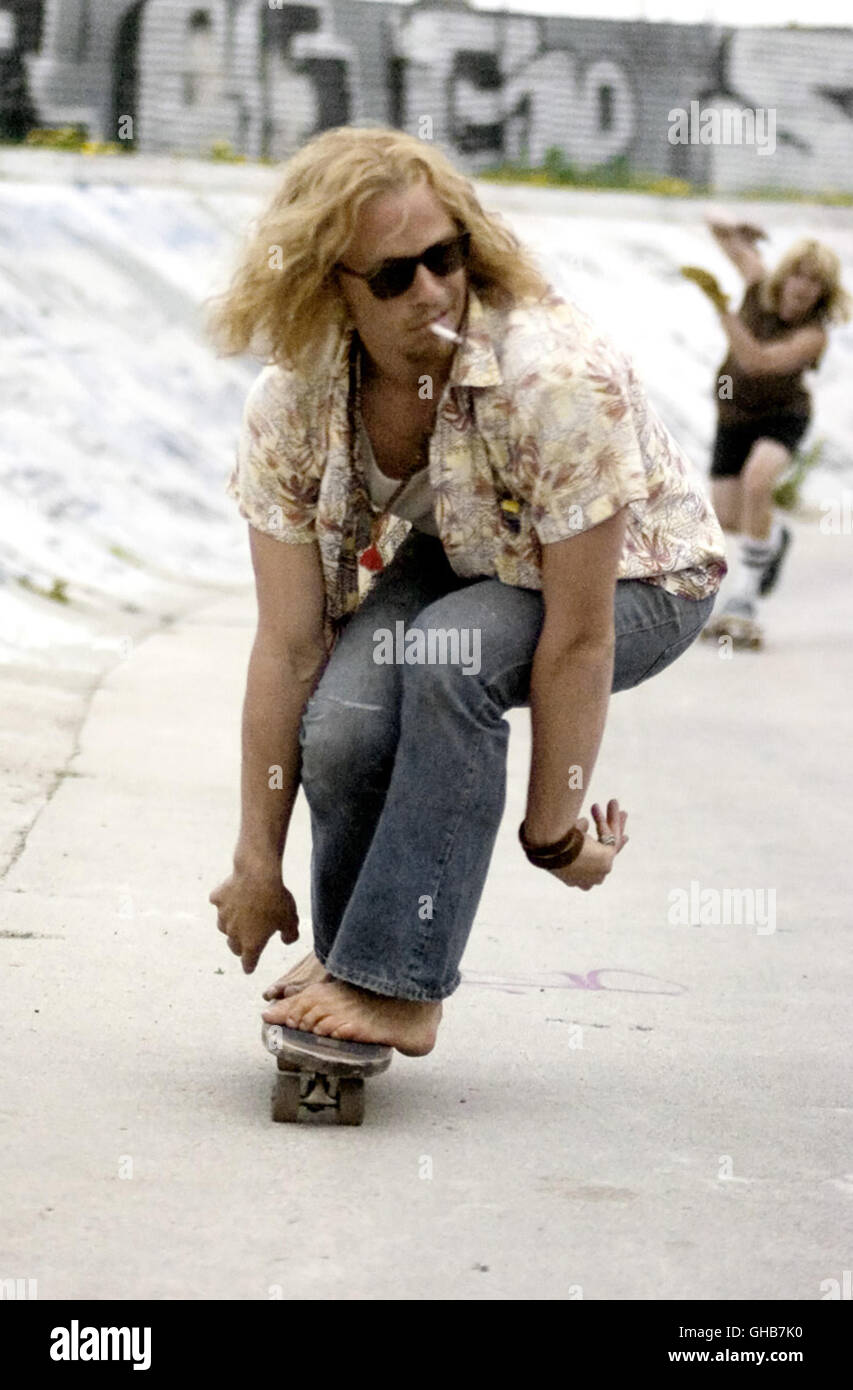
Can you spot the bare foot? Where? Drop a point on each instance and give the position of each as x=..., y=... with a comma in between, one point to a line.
x=334, y=1009
x=307, y=971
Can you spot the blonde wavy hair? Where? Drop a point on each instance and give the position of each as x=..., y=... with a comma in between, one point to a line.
x=811, y=258
x=284, y=302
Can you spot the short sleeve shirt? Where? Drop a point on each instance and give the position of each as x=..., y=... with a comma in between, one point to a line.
x=543, y=430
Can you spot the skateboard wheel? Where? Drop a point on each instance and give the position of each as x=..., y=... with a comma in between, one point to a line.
x=350, y=1100
x=286, y=1097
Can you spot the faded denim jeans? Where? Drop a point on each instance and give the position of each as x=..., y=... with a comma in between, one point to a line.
x=404, y=765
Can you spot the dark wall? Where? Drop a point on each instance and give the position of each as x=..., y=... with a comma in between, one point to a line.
x=29, y=15
x=126, y=69
x=17, y=112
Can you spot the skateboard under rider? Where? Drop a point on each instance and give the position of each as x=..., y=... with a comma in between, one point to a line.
x=318, y=1075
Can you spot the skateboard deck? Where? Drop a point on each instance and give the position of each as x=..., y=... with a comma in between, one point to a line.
x=321, y=1075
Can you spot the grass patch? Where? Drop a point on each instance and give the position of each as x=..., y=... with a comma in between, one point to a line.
x=616, y=175
x=57, y=593
x=830, y=197
x=126, y=556
x=555, y=171
x=223, y=152
x=787, y=494
x=73, y=139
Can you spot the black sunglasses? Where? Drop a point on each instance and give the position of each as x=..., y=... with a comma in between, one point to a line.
x=395, y=276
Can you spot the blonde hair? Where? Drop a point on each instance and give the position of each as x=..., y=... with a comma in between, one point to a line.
x=284, y=302
x=811, y=258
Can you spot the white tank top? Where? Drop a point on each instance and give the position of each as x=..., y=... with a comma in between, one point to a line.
x=415, y=503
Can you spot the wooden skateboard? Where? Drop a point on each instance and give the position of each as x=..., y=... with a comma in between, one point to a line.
x=321, y=1075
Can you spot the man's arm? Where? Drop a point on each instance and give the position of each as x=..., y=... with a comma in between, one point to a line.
x=570, y=685
x=287, y=658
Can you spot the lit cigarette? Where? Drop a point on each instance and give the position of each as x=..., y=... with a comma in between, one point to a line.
x=442, y=331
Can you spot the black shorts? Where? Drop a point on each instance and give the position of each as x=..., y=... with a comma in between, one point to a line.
x=733, y=442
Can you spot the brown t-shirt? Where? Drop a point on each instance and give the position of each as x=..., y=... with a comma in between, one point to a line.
x=754, y=397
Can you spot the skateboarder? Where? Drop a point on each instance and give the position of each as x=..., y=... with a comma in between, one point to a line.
x=459, y=501
x=763, y=404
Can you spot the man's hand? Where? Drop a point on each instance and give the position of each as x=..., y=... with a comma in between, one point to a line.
x=252, y=908
x=595, y=860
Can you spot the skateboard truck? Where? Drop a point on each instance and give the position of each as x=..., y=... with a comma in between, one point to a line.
x=318, y=1075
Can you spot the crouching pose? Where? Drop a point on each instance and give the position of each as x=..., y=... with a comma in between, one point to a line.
x=763, y=404
x=459, y=501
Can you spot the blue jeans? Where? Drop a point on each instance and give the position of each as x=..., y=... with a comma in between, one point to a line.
x=404, y=765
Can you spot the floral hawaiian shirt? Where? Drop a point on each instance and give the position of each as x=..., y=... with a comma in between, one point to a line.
x=542, y=430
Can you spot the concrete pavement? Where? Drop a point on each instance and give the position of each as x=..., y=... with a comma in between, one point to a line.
x=618, y=1107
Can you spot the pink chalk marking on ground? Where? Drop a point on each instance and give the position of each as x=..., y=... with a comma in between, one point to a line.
x=568, y=980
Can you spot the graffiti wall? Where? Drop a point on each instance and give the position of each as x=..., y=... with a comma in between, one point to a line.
x=20, y=36
x=263, y=75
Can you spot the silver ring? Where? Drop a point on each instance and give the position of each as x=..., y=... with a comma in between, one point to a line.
x=607, y=839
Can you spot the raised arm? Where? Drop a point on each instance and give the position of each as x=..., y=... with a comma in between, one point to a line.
x=737, y=241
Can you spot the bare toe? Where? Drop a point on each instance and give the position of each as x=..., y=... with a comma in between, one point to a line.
x=308, y=970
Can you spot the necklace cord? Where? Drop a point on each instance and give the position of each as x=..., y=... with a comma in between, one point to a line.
x=356, y=426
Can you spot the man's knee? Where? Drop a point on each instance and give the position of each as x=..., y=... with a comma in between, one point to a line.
x=441, y=655
x=470, y=637
x=347, y=744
